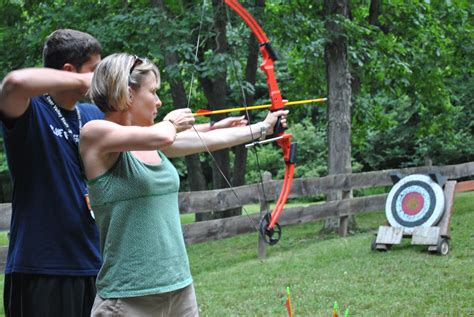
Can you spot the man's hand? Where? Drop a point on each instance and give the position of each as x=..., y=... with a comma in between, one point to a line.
x=230, y=122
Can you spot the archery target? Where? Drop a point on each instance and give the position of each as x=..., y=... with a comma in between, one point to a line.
x=415, y=201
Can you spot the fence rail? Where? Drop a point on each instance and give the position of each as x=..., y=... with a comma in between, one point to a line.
x=223, y=199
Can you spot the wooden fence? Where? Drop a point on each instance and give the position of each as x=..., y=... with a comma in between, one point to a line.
x=223, y=199
x=218, y=200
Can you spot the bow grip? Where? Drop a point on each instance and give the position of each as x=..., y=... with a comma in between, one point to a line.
x=278, y=128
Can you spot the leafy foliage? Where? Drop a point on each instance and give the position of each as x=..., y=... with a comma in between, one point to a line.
x=406, y=110
x=412, y=72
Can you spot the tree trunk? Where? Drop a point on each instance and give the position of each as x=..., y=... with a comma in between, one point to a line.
x=374, y=13
x=215, y=92
x=196, y=179
x=339, y=102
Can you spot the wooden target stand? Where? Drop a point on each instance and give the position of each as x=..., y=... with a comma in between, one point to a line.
x=419, y=208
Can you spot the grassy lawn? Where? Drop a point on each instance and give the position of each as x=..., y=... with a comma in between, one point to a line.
x=407, y=281
x=230, y=280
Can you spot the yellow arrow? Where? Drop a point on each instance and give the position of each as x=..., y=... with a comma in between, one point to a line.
x=204, y=112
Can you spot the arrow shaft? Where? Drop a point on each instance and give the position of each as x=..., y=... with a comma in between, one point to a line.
x=291, y=103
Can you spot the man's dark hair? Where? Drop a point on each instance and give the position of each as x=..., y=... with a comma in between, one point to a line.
x=69, y=46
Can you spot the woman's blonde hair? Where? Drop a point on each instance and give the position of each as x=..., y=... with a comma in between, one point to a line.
x=114, y=75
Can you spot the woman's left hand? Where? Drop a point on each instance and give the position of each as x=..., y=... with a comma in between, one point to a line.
x=272, y=118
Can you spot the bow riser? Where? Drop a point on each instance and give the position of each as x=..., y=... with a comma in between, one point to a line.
x=274, y=91
x=286, y=146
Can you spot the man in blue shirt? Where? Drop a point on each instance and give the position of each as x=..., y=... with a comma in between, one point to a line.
x=53, y=255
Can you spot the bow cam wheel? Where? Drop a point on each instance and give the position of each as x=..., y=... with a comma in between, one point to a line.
x=270, y=236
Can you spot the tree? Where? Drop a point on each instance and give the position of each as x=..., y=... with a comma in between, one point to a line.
x=411, y=66
x=339, y=98
x=196, y=180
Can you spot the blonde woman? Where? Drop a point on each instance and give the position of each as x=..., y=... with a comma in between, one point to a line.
x=133, y=189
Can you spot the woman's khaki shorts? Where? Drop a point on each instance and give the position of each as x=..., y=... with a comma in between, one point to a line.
x=179, y=303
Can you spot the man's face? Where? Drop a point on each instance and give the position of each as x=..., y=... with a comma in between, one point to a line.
x=90, y=65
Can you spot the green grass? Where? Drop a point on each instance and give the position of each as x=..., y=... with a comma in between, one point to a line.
x=407, y=281
x=230, y=280
x=188, y=218
x=3, y=238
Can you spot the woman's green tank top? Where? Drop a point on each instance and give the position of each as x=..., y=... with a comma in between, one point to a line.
x=142, y=244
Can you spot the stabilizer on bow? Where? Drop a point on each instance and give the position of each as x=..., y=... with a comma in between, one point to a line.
x=270, y=230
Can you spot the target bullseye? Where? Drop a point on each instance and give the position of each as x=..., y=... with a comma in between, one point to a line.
x=412, y=203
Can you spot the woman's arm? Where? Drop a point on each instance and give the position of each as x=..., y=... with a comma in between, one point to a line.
x=101, y=141
x=104, y=136
x=189, y=142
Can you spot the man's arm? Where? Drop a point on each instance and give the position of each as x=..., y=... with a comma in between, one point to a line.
x=229, y=122
x=20, y=85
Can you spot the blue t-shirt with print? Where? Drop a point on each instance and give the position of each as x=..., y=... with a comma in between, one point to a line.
x=52, y=231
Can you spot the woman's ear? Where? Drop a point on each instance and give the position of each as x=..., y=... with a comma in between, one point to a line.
x=130, y=94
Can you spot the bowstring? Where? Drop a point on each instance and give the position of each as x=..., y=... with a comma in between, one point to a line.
x=214, y=160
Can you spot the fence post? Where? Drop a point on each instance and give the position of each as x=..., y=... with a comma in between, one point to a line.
x=262, y=246
x=344, y=220
x=428, y=161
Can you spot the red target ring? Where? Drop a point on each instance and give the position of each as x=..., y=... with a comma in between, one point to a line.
x=415, y=200
x=412, y=203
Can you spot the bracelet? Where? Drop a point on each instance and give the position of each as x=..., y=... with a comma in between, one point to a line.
x=263, y=130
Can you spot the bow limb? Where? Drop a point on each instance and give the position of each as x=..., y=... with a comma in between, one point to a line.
x=266, y=50
x=269, y=226
x=289, y=153
x=285, y=191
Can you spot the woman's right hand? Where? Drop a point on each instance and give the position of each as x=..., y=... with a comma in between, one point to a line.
x=182, y=119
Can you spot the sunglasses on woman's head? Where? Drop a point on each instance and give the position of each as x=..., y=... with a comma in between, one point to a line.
x=137, y=61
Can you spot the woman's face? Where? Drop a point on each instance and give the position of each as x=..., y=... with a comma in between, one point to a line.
x=145, y=101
